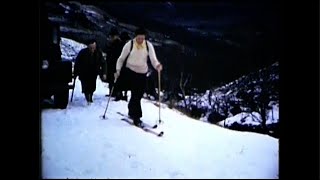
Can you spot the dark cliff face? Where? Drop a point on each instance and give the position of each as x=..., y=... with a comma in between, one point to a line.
x=223, y=39
x=210, y=20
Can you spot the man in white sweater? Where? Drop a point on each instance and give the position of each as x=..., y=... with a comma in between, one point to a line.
x=136, y=70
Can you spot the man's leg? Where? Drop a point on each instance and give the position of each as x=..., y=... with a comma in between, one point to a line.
x=137, y=90
x=117, y=93
x=111, y=84
x=92, y=88
x=85, y=89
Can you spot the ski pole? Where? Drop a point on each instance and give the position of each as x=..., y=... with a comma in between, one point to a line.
x=73, y=86
x=159, y=100
x=159, y=84
x=104, y=114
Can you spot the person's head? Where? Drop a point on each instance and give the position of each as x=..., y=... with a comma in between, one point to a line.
x=140, y=35
x=92, y=45
x=124, y=36
x=114, y=33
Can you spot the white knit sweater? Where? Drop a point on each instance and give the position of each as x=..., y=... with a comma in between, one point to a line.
x=137, y=60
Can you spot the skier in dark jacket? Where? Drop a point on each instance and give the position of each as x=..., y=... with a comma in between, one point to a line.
x=88, y=66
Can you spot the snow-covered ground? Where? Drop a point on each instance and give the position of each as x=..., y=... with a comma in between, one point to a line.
x=70, y=48
x=253, y=118
x=243, y=118
x=77, y=143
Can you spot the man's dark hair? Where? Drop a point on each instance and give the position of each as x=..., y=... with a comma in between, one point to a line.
x=124, y=36
x=140, y=31
x=113, y=32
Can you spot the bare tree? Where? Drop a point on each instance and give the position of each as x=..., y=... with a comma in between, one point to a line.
x=209, y=97
x=183, y=83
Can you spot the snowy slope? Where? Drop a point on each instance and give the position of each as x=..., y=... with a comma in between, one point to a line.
x=248, y=89
x=70, y=48
x=253, y=118
x=76, y=143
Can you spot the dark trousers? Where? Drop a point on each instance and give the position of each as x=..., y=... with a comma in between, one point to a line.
x=137, y=84
x=88, y=86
